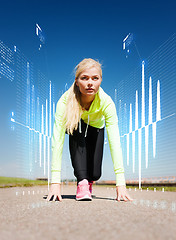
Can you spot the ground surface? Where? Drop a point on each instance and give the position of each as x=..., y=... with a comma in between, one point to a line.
x=25, y=214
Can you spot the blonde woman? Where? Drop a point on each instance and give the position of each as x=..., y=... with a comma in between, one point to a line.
x=82, y=112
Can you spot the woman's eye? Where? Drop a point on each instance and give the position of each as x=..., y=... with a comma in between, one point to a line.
x=95, y=78
x=83, y=78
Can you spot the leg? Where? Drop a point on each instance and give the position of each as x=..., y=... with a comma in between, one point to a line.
x=78, y=153
x=94, y=145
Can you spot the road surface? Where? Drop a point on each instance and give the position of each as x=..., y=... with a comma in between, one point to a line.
x=25, y=214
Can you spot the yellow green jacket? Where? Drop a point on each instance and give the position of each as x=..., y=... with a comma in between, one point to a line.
x=102, y=112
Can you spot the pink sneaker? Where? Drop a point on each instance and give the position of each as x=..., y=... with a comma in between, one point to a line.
x=90, y=186
x=83, y=191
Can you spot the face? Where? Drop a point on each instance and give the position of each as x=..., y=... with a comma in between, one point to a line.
x=89, y=81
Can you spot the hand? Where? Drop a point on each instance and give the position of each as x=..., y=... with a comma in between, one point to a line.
x=121, y=192
x=54, y=190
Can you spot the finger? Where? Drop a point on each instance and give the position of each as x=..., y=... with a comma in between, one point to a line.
x=124, y=198
x=118, y=198
x=60, y=198
x=49, y=197
x=55, y=196
x=129, y=198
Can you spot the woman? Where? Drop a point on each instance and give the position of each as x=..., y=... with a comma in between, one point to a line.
x=82, y=112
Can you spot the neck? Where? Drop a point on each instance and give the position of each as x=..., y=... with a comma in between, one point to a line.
x=86, y=101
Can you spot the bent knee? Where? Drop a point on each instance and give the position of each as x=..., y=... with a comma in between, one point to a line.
x=96, y=177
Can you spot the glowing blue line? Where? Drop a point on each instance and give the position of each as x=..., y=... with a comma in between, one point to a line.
x=53, y=109
x=48, y=162
x=50, y=112
x=133, y=149
x=150, y=100
x=30, y=129
x=139, y=157
x=158, y=109
x=130, y=130
x=143, y=96
x=148, y=125
x=28, y=81
x=136, y=112
x=40, y=144
x=146, y=145
x=44, y=155
x=46, y=125
x=42, y=130
x=158, y=118
x=128, y=149
x=154, y=138
x=46, y=129
x=168, y=116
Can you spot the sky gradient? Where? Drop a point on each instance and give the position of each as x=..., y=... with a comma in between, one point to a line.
x=75, y=30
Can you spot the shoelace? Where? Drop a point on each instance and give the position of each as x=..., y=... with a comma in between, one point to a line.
x=84, y=187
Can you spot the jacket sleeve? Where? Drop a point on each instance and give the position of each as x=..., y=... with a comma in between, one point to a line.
x=112, y=128
x=58, y=141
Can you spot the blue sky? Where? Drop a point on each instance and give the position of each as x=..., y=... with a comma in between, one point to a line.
x=78, y=29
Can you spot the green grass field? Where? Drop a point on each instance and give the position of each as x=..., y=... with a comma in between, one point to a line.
x=166, y=188
x=6, y=182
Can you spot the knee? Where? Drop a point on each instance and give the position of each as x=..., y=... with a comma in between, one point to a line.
x=96, y=176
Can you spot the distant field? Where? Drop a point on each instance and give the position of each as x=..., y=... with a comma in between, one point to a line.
x=166, y=188
x=6, y=182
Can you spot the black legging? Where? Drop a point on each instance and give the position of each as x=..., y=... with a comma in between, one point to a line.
x=87, y=152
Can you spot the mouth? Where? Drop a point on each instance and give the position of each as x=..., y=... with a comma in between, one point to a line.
x=89, y=89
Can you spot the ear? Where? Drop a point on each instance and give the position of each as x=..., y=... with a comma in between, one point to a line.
x=76, y=82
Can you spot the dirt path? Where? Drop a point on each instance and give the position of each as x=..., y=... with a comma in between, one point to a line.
x=25, y=214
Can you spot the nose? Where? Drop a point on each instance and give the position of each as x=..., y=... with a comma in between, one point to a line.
x=90, y=81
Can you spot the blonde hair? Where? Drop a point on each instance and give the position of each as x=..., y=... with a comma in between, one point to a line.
x=73, y=110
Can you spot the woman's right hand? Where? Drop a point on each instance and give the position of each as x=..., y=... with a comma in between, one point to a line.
x=54, y=190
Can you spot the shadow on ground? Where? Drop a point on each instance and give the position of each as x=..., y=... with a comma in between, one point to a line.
x=74, y=197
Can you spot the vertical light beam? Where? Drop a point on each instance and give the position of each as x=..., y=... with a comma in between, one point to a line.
x=133, y=149
x=146, y=145
x=46, y=125
x=42, y=135
x=158, y=110
x=154, y=139
x=130, y=118
x=150, y=101
x=128, y=149
x=139, y=155
x=136, y=112
x=50, y=112
x=48, y=161
x=143, y=96
x=53, y=110
x=40, y=147
x=44, y=138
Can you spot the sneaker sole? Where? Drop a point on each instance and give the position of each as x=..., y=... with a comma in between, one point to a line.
x=86, y=197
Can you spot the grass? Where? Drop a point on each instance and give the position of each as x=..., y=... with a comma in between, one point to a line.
x=6, y=182
x=158, y=188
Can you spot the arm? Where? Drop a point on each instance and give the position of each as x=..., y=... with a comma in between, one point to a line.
x=112, y=128
x=58, y=141
x=57, y=149
x=115, y=148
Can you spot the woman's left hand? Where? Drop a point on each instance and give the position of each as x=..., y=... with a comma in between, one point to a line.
x=121, y=193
